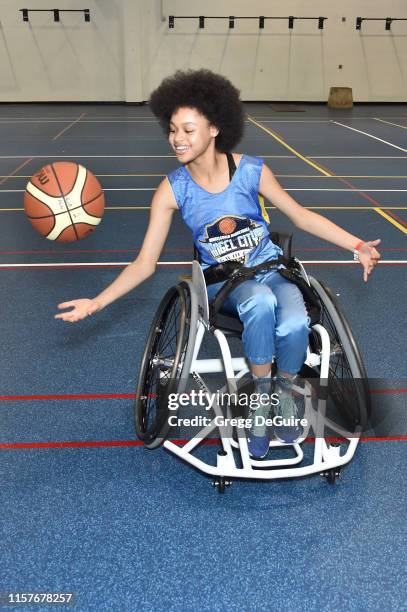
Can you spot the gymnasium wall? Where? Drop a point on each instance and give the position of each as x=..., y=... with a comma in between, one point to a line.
x=127, y=48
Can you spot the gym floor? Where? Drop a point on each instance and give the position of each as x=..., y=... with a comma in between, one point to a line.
x=86, y=509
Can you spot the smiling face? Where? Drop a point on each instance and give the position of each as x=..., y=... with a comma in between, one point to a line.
x=191, y=134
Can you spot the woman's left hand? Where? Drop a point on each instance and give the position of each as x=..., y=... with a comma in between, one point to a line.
x=369, y=257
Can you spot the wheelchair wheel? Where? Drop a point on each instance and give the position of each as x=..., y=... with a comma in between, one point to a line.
x=162, y=365
x=347, y=381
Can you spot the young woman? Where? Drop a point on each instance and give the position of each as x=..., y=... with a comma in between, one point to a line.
x=203, y=119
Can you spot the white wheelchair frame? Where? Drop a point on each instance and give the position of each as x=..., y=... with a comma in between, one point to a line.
x=233, y=460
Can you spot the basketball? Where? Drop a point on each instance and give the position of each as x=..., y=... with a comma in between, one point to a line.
x=64, y=201
x=227, y=225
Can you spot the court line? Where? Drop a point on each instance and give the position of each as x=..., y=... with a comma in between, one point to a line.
x=329, y=117
x=292, y=120
x=134, y=120
x=287, y=146
x=4, y=178
x=110, y=443
x=52, y=156
x=394, y=219
x=390, y=144
x=67, y=118
x=354, y=189
x=397, y=222
x=360, y=191
x=22, y=122
x=148, y=207
x=151, y=117
x=69, y=126
x=66, y=396
x=265, y=156
x=175, y=264
x=81, y=396
x=403, y=127
x=174, y=250
x=357, y=156
x=304, y=176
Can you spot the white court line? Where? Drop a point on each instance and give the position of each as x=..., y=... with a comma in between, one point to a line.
x=181, y=263
x=316, y=117
x=403, y=127
x=84, y=121
x=113, y=189
x=22, y=121
x=80, y=156
x=354, y=156
x=66, y=118
x=83, y=156
x=293, y=120
x=355, y=190
x=270, y=118
x=370, y=136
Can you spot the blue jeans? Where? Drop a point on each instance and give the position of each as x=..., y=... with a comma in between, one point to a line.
x=274, y=317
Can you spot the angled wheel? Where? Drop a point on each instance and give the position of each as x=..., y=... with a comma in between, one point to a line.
x=162, y=364
x=347, y=380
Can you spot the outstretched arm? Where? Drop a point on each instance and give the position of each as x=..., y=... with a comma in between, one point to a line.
x=162, y=208
x=318, y=225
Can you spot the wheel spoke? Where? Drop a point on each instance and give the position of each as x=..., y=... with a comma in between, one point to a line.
x=166, y=350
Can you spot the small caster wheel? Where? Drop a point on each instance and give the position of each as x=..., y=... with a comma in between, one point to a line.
x=331, y=475
x=220, y=483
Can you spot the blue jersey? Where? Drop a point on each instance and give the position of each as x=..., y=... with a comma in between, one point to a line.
x=230, y=225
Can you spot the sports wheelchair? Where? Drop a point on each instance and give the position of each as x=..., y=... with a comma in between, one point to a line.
x=333, y=375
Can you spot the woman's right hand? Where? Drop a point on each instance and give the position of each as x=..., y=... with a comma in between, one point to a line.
x=80, y=310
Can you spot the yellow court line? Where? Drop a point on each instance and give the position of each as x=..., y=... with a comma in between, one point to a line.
x=404, y=127
x=393, y=221
x=281, y=141
x=304, y=159
x=305, y=176
x=364, y=208
x=26, y=176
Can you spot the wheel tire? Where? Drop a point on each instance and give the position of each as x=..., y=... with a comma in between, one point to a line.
x=161, y=365
x=347, y=382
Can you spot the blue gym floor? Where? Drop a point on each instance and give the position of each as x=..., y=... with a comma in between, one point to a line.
x=85, y=508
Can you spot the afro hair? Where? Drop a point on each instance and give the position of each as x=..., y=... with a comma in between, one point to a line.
x=211, y=94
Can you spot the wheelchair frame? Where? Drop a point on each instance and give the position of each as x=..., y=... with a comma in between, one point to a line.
x=233, y=459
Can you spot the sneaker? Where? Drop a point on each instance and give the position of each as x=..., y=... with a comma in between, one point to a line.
x=290, y=407
x=258, y=439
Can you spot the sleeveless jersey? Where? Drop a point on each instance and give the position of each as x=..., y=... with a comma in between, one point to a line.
x=230, y=225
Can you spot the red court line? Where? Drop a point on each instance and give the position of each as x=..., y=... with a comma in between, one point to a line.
x=391, y=214
x=81, y=396
x=349, y=263
x=75, y=252
x=362, y=193
x=69, y=396
x=24, y=163
x=127, y=443
x=69, y=126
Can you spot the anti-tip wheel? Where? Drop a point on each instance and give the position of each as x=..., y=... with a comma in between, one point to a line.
x=220, y=483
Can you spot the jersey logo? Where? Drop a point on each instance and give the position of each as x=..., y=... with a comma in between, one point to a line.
x=232, y=238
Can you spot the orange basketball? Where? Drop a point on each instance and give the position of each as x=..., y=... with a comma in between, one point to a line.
x=227, y=225
x=64, y=201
